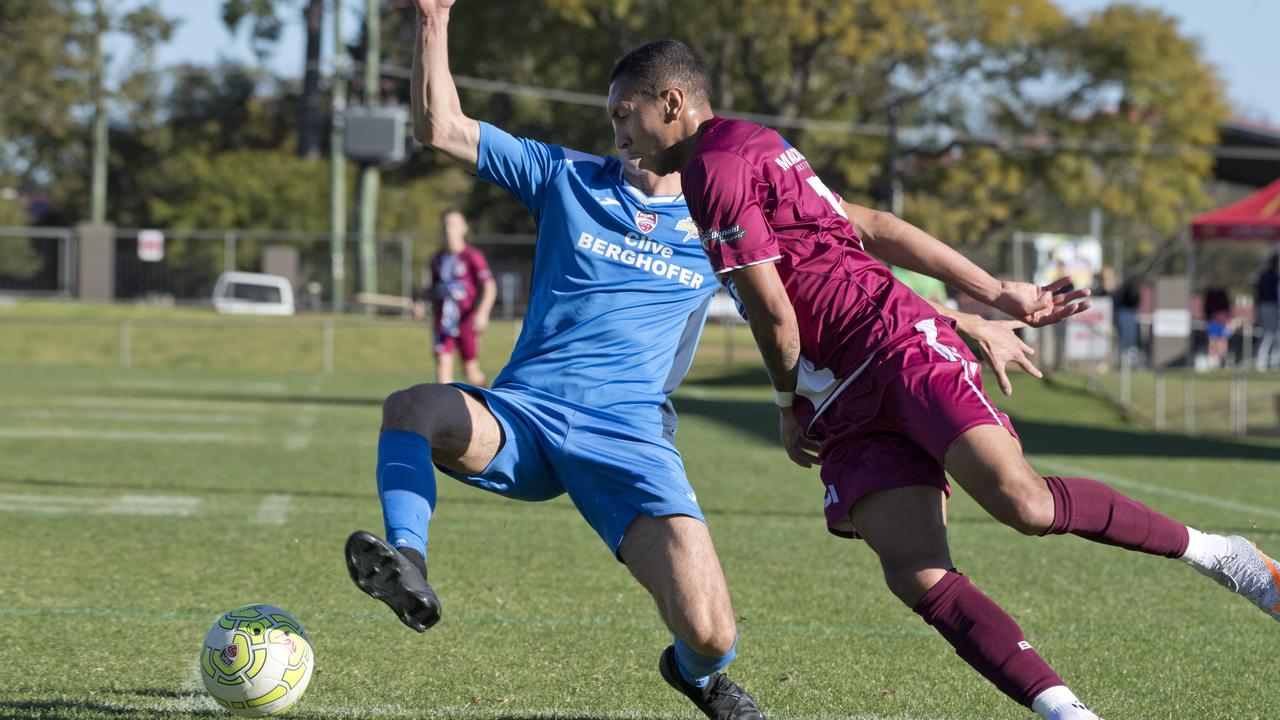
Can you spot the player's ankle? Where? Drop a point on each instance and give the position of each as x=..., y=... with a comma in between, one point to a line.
x=415, y=557
x=1204, y=548
x=1059, y=703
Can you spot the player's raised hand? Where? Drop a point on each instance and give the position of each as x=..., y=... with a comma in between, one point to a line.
x=799, y=448
x=1037, y=305
x=1001, y=346
x=430, y=7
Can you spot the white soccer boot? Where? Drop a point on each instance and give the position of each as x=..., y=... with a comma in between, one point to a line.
x=1247, y=571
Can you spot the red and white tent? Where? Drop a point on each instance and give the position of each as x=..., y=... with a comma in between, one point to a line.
x=1256, y=217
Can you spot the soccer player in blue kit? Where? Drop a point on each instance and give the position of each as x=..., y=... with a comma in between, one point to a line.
x=620, y=292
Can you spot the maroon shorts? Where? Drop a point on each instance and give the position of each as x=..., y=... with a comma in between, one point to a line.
x=464, y=341
x=892, y=425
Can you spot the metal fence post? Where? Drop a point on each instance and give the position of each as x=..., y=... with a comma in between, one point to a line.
x=1188, y=403
x=229, y=252
x=326, y=361
x=1126, y=378
x=406, y=266
x=126, y=343
x=1159, y=398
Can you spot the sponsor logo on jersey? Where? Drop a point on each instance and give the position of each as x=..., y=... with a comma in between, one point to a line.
x=1024, y=645
x=789, y=158
x=728, y=236
x=608, y=201
x=646, y=221
x=689, y=227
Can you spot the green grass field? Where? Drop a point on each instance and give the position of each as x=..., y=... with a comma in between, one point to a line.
x=223, y=469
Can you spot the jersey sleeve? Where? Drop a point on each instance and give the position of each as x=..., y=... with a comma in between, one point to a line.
x=521, y=166
x=480, y=266
x=723, y=192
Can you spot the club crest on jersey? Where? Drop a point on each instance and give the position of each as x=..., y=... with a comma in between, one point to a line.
x=689, y=227
x=646, y=221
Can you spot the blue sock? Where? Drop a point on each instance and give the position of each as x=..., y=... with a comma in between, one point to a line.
x=697, y=668
x=406, y=487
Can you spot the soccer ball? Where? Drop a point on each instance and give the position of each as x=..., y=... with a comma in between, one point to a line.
x=256, y=660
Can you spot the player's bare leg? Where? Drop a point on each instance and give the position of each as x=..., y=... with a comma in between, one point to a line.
x=988, y=463
x=475, y=376
x=444, y=368
x=421, y=425
x=674, y=559
x=906, y=527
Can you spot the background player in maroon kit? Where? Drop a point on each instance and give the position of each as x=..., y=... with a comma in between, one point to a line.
x=462, y=295
x=877, y=383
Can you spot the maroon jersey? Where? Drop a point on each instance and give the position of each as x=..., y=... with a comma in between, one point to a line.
x=456, y=279
x=755, y=199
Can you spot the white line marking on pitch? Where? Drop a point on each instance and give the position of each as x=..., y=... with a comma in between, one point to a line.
x=158, y=384
x=165, y=403
x=1158, y=489
x=126, y=435
x=294, y=442
x=178, y=505
x=273, y=510
x=143, y=417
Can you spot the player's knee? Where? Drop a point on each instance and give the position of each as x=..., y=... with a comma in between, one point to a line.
x=713, y=639
x=1029, y=510
x=909, y=584
x=410, y=410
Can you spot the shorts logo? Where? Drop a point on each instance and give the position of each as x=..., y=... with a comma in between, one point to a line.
x=689, y=227
x=728, y=236
x=1024, y=645
x=646, y=221
x=831, y=497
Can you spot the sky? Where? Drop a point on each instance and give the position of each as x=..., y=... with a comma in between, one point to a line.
x=1238, y=36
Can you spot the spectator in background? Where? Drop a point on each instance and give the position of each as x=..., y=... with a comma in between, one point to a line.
x=1126, y=300
x=1217, y=315
x=1268, y=304
x=462, y=293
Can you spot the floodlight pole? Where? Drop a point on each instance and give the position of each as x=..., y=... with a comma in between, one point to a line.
x=338, y=167
x=98, y=190
x=370, y=175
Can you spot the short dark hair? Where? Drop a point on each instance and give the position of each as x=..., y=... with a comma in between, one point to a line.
x=662, y=64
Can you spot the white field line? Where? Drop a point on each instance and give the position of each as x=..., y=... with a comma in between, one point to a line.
x=1076, y=470
x=177, y=505
x=295, y=441
x=141, y=417
x=197, y=704
x=64, y=433
x=160, y=384
x=158, y=403
x=273, y=510
x=195, y=698
x=152, y=505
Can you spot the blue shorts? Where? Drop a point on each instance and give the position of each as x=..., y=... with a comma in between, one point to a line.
x=614, y=471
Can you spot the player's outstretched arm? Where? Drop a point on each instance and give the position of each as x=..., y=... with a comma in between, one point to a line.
x=773, y=323
x=997, y=340
x=901, y=243
x=438, y=119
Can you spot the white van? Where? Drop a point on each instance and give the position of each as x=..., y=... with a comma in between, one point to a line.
x=244, y=293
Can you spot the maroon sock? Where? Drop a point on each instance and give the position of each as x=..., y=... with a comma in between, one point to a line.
x=986, y=637
x=1096, y=512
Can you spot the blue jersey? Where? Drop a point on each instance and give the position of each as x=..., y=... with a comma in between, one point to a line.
x=620, y=287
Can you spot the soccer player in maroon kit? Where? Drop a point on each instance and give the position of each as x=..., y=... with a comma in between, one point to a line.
x=462, y=295
x=872, y=379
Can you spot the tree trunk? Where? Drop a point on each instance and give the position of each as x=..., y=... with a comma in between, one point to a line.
x=309, y=117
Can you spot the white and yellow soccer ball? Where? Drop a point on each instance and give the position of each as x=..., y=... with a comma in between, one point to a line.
x=256, y=660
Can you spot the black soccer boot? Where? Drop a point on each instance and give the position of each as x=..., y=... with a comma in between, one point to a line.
x=721, y=699
x=386, y=574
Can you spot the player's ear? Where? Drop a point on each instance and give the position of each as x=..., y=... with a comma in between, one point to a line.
x=672, y=103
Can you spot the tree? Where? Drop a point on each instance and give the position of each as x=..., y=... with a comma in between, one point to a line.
x=265, y=28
